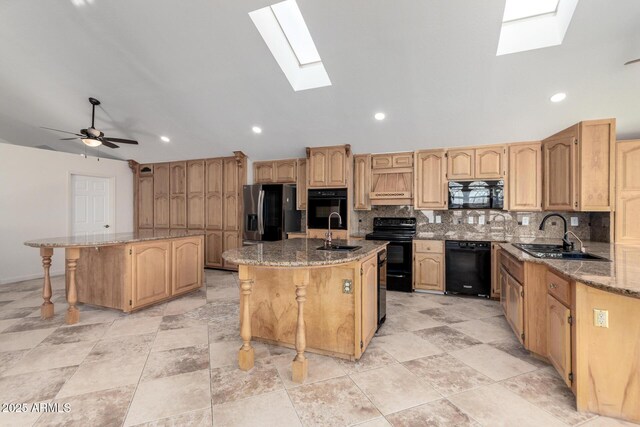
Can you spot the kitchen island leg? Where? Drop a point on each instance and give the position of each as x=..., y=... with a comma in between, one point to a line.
x=46, y=310
x=73, y=315
x=300, y=363
x=246, y=353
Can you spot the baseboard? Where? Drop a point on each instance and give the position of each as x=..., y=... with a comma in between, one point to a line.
x=52, y=273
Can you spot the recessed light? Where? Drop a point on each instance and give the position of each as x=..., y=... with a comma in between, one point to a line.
x=256, y=129
x=165, y=139
x=379, y=116
x=558, y=97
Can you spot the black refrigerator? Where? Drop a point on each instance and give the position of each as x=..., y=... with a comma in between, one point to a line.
x=269, y=212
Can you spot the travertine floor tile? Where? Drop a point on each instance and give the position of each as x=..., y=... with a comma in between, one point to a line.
x=176, y=361
x=484, y=330
x=394, y=388
x=492, y=362
x=376, y=422
x=373, y=357
x=9, y=358
x=198, y=418
x=447, y=338
x=70, y=334
x=608, y=422
x=34, y=386
x=440, y=413
x=51, y=356
x=222, y=353
x=445, y=315
x=178, y=338
x=513, y=347
x=121, y=347
x=184, y=304
x=12, y=341
x=266, y=410
x=4, y=324
x=320, y=368
x=406, y=346
x=229, y=383
x=137, y=326
x=34, y=323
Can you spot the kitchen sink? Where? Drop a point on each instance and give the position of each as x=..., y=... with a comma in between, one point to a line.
x=339, y=248
x=555, y=252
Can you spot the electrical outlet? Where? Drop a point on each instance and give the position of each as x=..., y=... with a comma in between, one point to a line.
x=481, y=220
x=574, y=221
x=346, y=286
x=600, y=318
x=525, y=220
x=438, y=219
x=470, y=220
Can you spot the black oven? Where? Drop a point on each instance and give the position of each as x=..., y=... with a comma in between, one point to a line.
x=476, y=194
x=322, y=203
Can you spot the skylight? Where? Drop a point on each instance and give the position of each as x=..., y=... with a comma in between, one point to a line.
x=534, y=24
x=284, y=31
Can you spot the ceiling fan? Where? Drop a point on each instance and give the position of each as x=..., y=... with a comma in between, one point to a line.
x=92, y=136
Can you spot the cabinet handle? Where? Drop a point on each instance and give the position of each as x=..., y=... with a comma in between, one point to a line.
x=552, y=286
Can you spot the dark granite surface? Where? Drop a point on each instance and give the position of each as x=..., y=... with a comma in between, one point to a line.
x=300, y=253
x=110, y=239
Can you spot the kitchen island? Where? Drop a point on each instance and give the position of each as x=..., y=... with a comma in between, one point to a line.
x=296, y=295
x=125, y=271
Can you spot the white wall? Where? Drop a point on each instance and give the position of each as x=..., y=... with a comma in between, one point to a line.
x=35, y=200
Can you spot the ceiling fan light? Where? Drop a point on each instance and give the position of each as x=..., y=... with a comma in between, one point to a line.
x=91, y=142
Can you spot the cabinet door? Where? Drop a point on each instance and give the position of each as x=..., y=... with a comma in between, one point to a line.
x=187, y=265
x=382, y=161
x=195, y=194
x=151, y=272
x=461, y=164
x=286, y=171
x=301, y=186
x=369, y=284
x=178, y=211
x=525, y=177
x=559, y=174
x=195, y=177
x=337, y=173
x=213, y=249
x=318, y=167
x=161, y=196
x=430, y=181
x=362, y=182
x=515, y=307
x=230, y=205
x=628, y=192
x=428, y=272
x=495, y=277
x=504, y=290
x=178, y=190
x=263, y=172
x=195, y=210
x=145, y=202
x=403, y=160
x=489, y=163
x=231, y=240
x=213, y=194
x=559, y=337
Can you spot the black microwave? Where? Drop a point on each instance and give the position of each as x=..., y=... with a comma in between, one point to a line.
x=322, y=203
x=476, y=194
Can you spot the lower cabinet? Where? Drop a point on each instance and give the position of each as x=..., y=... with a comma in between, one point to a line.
x=428, y=265
x=187, y=265
x=213, y=249
x=369, y=278
x=559, y=338
x=230, y=240
x=515, y=307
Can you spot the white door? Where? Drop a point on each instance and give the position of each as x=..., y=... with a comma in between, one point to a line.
x=90, y=205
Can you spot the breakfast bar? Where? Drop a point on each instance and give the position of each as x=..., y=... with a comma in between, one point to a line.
x=297, y=294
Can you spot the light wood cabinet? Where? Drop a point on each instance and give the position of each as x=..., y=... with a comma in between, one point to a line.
x=187, y=265
x=392, y=179
x=151, y=273
x=286, y=171
x=263, y=172
x=213, y=249
x=461, y=164
x=515, y=307
x=195, y=194
x=489, y=162
x=430, y=180
x=559, y=338
x=275, y=171
x=328, y=166
x=369, y=289
x=524, y=184
x=495, y=276
x=578, y=165
x=231, y=195
x=627, y=227
x=301, y=185
x=161, y=195
x=428, y=265
x=361, y=182
x=502, y=281
x=145, y=202
x=178, y=197
x=230, y=240
x=213, y=194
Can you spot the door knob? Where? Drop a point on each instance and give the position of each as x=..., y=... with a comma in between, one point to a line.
x=106, y=226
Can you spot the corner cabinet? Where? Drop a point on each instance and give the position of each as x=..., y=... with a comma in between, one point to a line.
x=428, y=265
x=361, y=182
x=524, y=184
x=430, y=190
x=328, y=167
x=578, y=167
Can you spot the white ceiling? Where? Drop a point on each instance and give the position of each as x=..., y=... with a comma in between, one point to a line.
x=199, y=72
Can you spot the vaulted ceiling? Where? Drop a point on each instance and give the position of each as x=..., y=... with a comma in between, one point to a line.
x=199, y=72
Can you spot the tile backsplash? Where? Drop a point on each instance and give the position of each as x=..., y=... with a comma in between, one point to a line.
x=513, y=224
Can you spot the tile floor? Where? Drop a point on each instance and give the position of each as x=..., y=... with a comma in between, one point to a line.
x=439, y=360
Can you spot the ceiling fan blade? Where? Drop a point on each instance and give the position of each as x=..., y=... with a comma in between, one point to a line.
x=121, y=141
x=632, y=62
x=107, y=143
x=68, y=139
x=58, y=130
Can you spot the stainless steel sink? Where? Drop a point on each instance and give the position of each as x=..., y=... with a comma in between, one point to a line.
x=339, y=248
x=556, y=252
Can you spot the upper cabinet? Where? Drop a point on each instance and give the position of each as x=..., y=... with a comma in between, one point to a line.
x=161, y=195
x=430, y=180
x=213, y=194
x=361, y=181
x=286, y=170
x=328, y=167
x=195, y=194
x=578, y=165
x=263, y=172
x=524, y=185
x=392, y=179
x=461, y=164
x=628, y=192
x=276, y=171
x=479, y=163
x=178, y=202
x=301, y=185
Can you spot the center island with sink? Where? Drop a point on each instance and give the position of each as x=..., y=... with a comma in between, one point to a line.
x=307, y=295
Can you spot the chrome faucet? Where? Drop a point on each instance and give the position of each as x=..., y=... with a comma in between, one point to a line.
x=566, y=244
x=327, y=240
x=582, y=248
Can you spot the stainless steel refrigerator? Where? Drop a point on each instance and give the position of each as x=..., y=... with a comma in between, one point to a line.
x=269, y=212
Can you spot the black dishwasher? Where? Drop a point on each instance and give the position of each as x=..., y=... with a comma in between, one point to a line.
x=468, y=267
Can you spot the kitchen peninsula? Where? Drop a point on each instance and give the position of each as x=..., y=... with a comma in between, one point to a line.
x=125, y=271
x=297, y=295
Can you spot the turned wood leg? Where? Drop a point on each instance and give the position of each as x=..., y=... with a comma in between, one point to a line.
x=299, y=367
x=46, y=310
x=245, y=354
x=73, y=315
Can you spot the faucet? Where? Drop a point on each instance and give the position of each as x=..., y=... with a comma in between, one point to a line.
x=327, y=240
x=582, y=248
x=566, y=244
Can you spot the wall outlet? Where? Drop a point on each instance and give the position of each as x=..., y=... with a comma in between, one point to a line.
x=470, y=220
x=525, y=220
x=481, y=220
x=574, y=221
x=346, y=286
x=600, y=318
x=438, y=219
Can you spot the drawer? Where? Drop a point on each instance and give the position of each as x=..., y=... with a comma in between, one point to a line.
x=428, y=246
x=382, y=161
x=402, y=160
x=514, y=267
x=559, y=287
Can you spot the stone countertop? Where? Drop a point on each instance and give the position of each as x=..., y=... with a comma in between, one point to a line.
x=300, y=253
x=110, y=239
x=621, y=275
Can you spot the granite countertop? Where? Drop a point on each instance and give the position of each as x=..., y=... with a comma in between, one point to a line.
x=300, y=253
x=109, y=239
x=621, y=275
